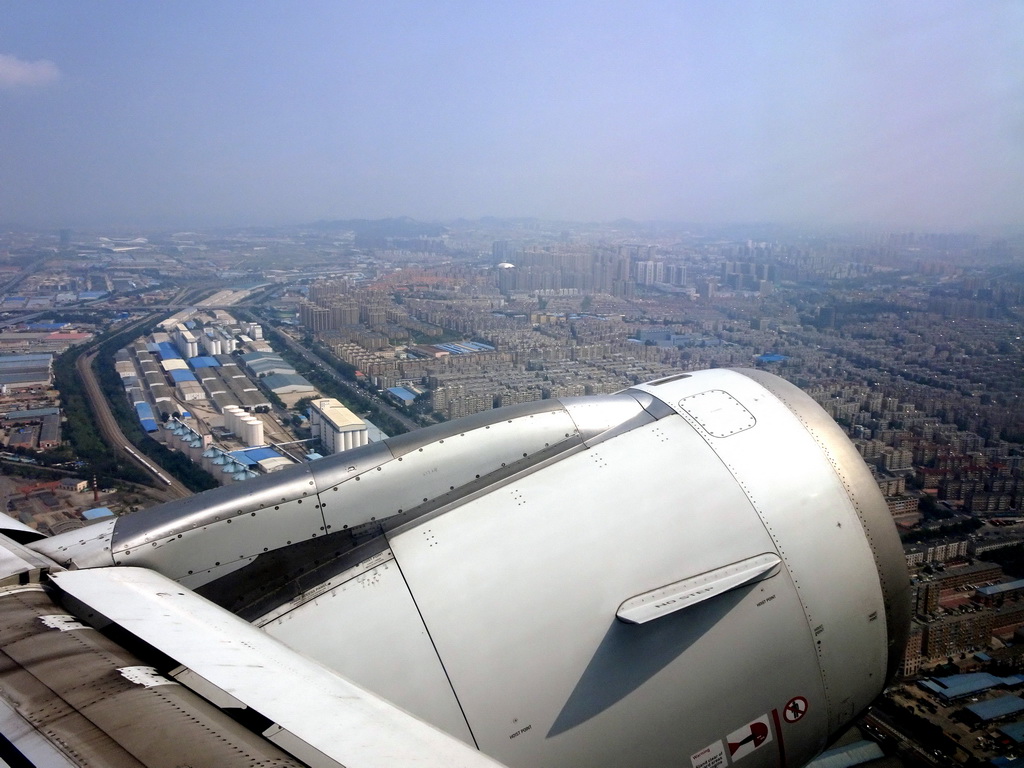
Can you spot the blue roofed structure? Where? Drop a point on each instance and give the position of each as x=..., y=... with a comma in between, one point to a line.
x=1004, y=706
x=253, y=455
x=179, y=376
x=97, y=513
x=771, y=358
x=960, y=686
x=203, y=362
x=998, y=589
x=455, y=349
x=1013, y=731
x=167, y=351
x=402, y=394
x=146, y=418
x=242, y=458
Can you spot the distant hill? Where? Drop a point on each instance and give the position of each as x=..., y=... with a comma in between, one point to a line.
x=379, y=229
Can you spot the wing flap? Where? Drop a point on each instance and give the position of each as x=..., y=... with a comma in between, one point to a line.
x=70, y=696
x=317, y=716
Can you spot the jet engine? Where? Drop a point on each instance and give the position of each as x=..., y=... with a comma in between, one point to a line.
x=696, y=571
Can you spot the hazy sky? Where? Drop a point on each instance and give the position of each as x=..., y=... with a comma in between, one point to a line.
x=904, y=114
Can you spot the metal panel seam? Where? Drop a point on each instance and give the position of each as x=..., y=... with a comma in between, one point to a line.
x=884, y=577
x=433, y=645
x=705, y=436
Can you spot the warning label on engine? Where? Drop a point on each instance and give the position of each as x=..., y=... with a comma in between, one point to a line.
x=748, y=738
x=712, y=756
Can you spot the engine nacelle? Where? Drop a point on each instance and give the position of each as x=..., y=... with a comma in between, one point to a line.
x=696, y=571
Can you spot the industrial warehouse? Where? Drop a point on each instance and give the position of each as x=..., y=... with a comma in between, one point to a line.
x=207, y=386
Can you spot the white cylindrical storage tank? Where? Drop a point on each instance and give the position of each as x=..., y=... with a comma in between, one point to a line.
x=251, y=431
x=231, y=414
x=240, y=433
x=252, y=427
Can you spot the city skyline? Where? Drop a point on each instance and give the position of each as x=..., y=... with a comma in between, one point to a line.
x=901, y=115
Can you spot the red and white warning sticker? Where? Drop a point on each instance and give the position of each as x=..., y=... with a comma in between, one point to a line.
x=752, y=736
x=712, y=756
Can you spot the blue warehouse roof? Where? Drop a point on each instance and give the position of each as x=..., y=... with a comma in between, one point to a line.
x=167, y=351
x=996, y=708
x=959, y=686
x=180, y=376
x=997, y=589
x=401, y=393
x=1013, y=731
x=253, y=455
x=97, y=513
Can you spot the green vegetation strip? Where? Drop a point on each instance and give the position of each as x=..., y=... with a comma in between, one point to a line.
x=83, y=433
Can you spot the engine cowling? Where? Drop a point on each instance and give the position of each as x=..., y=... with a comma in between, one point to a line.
x=696, y=570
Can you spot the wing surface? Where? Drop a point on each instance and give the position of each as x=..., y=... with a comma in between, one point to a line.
x=315, y=714
x=198, y=687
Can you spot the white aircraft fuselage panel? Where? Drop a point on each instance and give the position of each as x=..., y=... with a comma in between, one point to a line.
x=365, y=625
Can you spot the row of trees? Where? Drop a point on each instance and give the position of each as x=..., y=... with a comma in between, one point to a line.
x=80, y=427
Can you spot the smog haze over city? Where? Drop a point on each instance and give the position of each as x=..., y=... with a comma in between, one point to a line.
x=316, y=251
x=896, y=115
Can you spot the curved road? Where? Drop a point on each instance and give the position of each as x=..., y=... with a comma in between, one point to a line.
x=113, y=435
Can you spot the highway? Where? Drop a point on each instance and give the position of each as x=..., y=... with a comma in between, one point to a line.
x=906, y=746
x=314, y=359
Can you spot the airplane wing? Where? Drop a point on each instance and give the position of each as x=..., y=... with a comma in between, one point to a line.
x=222, y=692
x=698, y=570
